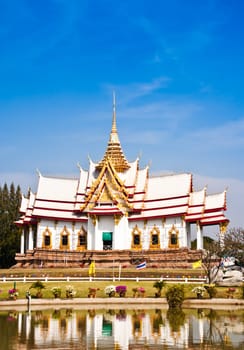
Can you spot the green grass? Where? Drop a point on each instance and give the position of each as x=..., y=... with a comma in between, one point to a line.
x=101, y=272
x=81, y=289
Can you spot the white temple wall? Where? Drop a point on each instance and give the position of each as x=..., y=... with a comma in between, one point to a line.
x=41, y=226
x=91, y=228
x=77, y=228
x=55, y=228
x=179, y=224
x=121, y=231
x=150, y=224
x=140, y=226
x=122, y=235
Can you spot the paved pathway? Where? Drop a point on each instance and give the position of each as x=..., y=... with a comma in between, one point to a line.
x=122, y=303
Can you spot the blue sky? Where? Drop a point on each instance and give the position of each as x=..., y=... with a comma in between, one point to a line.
x=177, y=70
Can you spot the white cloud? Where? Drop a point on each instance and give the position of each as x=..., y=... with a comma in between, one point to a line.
x=227, y=135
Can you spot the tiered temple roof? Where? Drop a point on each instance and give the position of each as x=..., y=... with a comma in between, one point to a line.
x=116, y=186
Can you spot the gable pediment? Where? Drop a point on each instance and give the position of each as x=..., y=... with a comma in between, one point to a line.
x=107, y=189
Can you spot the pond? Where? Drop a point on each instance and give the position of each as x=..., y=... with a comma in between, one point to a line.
x=123, y=329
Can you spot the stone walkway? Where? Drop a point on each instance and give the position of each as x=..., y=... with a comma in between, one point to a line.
x=121, y=303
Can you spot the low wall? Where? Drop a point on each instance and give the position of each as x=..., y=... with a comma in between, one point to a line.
x=160, y=258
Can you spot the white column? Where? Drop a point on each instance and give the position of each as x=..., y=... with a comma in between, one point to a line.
x=222, y=231
x=188, y=235
x=30, y=239
x=20, y=315
x=201, y=329
x=22, y=242
x=199, y=237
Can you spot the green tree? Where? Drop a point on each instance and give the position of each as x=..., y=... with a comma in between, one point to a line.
x=234, y=244
x=206, y=241
x=211, y=256
x=10, y=199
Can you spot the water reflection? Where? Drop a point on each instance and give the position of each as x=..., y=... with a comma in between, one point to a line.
x=122, y=329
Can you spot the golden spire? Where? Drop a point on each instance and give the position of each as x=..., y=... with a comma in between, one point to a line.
x=114, y=152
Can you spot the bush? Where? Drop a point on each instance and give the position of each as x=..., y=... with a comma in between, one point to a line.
x=38, y=285
x=70, y=292
x=211, y=290
x=175, y=296
x=159, y=286
x=176, y=319
x=242, y=291
x=121, y=290
x=56, y=292
x=199, y=291
x=110, y=291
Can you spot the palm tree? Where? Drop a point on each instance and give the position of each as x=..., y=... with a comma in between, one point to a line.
x=159, y=286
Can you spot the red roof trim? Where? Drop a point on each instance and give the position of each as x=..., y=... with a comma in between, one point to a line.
x=151, y=217
x=165, y=199
x=216, y=222
x=213, y=210
x=61, y=219
x=54, y=209
x=196, y=205
x=54, y=201
x=168, y=207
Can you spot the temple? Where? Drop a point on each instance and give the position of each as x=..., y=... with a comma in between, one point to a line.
x=115, y=211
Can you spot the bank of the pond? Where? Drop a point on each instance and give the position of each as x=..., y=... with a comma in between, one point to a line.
x=90, y=303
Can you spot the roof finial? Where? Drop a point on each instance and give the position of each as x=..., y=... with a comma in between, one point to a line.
x=114, y=128
x=114, y=151
x=114, y=138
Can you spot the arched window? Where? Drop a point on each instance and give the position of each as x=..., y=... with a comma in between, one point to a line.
x=173, y=237
x=64, y=239
x=136, y=238
x=82, y=239
x=46, y=239
x=155, y=238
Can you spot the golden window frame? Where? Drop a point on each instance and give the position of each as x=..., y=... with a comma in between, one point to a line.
x=82, y=232
x=175, y=232
x=136, y=231
x=64, y=232
x=154, y=231
x=46, y=233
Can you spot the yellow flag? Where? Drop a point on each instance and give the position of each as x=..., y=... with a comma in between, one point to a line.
x=92, y=268
x=197, y=264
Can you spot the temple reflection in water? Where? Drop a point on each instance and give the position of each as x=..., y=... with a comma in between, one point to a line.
x=121, y=329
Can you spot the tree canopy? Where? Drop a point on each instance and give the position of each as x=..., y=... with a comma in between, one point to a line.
x=10, y=199
x=214, y=251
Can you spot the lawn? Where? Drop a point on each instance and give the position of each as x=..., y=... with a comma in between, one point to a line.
x=81, y=289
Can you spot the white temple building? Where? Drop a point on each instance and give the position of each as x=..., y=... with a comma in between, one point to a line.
x=116, y=205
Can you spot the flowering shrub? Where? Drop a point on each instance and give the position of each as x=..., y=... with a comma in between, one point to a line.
x=138, y=292
x=13, y=293
x=199, y=291
x=56, y=292
x=121, y=290
x=92, y=292
x=70, y=292
x=110, y=291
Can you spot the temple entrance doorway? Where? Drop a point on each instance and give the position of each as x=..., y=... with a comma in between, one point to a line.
x=107, y=240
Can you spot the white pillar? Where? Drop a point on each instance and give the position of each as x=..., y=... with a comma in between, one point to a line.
x=199, y=237
x=20, y=315
x=188, y=235
x=30, y=239
x=201, y=329
x=22, y=242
